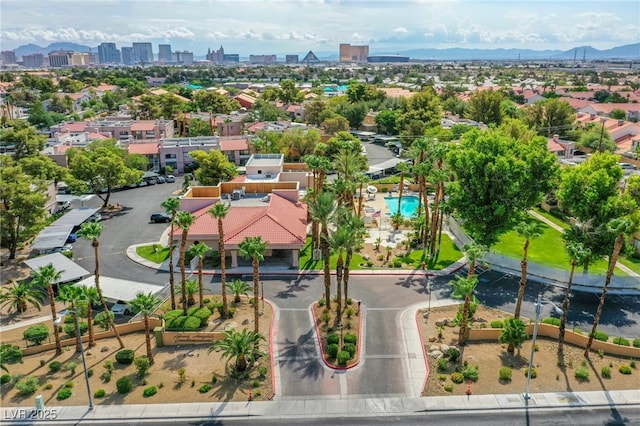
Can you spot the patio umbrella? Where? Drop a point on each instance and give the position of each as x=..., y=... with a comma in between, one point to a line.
x=372, y=189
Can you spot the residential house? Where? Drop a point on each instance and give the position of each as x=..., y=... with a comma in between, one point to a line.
x=174, y=152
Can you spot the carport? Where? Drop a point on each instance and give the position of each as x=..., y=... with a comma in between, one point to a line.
x=114, y=289
x=70, y=271
x=384, y=167
x=51, y=237
x=75, y=217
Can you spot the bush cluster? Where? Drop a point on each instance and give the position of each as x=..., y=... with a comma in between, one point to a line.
x=505, y=374
x=202, y=314
x=64, y=393
x=332, y=350
x=552, y=321
x=601, y=335
x=621, y=341
x=351, y=348
x=55, y=366
x=182, y=323
x=27, y=385
x=453, y=354
x=70, y=329
x=624, y=369
x=605, y=372
x=125, y=356
x=204, y=388
x=333, y=339
x=443, y=364
x=496, y=324
x=5, y=378
x=534, y=373
x=150, y=391
x=36, y=334
x=582, y=374
x=124, y=385
x=636, y=343
x=343, y=358
x=350, y=338
x=470, y=373
x=457, y=377
x=100, y=393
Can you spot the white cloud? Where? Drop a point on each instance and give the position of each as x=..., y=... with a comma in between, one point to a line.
x=401, y=30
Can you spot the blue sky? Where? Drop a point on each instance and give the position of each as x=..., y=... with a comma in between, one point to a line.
x=295, y=26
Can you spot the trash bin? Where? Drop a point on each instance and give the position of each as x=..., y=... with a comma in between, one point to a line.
x=157, y=332
x=39, y=403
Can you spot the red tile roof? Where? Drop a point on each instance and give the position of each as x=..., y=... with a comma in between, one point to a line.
x=233, y=144
x=554, y=146
x=142, y=125
x=77, y=126
x=143, y=148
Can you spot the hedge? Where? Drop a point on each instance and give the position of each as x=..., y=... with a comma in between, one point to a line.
x=552, y=321
x=184, y=324
x=202, y=314
x=125, y=356
x=36, y=333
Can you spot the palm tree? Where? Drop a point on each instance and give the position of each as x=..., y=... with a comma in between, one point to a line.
x=422, y=170
x=90, y=296
x=238, y=288
x=528, y=230
x=362, y=180
x=513, y=333
x=340, y=239
x=463, y=288
x=200, y=250
x=70, y=295
x=145, y=303
x=323, y=209
x=619, y=227
x=9, y=354
x=254, y=248
x=439, y=176
x=191, y=287
x=578, y=253
x=355, y=225
x=243, y=346
x=402, y=168
x=171, y=206
x=45, y=276
x=219, y=211
x=474, y=252
x=183, y=220
x=20, y=295
x=91, y=231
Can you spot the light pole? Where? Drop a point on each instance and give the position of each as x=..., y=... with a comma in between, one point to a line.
x=56, y=323
x=527, y=396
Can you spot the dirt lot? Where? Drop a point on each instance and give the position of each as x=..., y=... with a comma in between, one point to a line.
x=489, y=357
x=200, y=368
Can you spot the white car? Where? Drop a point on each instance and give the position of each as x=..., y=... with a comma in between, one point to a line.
x=96, y=217
x=121, y=308
x=170, y=178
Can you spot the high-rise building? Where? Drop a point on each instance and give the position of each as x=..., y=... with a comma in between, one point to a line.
x=291, y=59
x=35, y=60
x=8, y=57
x=263, y=59
x=60, y=58
x=142, y=53
x=349, y=53
x=164, y=53
x=184, y=57
x=127, y=55
x=219, y=57
x=108, y=54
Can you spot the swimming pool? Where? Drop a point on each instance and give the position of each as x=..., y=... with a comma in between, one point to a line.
x=408, y=206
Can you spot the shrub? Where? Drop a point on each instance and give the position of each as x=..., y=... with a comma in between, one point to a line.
x=349, y=301
x=48, y=386
x=325, y=318
x=255, y=384
x=106, y=376
x=55, y=366
x=470, y=373
x=5, y=378
x=150, y=391
x=633, y=364
x=534, y=373
x=443, y=364
x=171, y=315
x=349, y=312
x=601, y=335
x=70, y=329
x=102, y=320
x=333, y=339
x=100, y=393
x=64, y=393
x=448, y=388
x=621, y=341
x=332, y=350
x=350, y=338
x=442, y=377
x=505, y=374
x=183, y=323
x=343, y=358
x=582, y=374
x=27, y=385
x=453, y=354
x=71, y=366
x=322, y=302
x=551, y=321
x=124, y=385
x=204, y=388
x=125, y=356
x=108, y=365
x=206, y=300
x=142, y=365
x=68, y=384
x=624, y=369
x=262, y=371
x=182, y=375
x=457, y=377
x=90, y=372
x=636, y=343
x=36, y=334
x=351, y=348
x=203, y=315
x=605, y=372
x=496, y=324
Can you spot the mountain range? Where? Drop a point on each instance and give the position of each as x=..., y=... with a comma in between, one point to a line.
x=626, y=52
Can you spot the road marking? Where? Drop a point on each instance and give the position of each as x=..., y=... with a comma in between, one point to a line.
x=296, y=358
x=343, y=383
x=293, y=309
x=384, y=309
x=383, y=357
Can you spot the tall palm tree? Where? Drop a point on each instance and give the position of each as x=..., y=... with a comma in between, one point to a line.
x=418, y=151
x=253, y=248
x=46, y=276
x=145, y=303
x=402, y=168
x=474, y=253
x=463, y=288
x=355, y=225
x=423, y=170
x=70, y=295
x=362, y=180
x=243, y=346
x=91, y=231
x=323, y=209
x=219, y=211
x=619, y=227
x=183, y=220
x=90, y=296
x=200, y=250
x=528, y=230
x=319, y=166
x=20, y=295
x=171, y=206
x=438, y=176
x=578, y=253
x=340, y=239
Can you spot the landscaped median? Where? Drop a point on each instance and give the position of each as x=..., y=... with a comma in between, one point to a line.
x=340, y=337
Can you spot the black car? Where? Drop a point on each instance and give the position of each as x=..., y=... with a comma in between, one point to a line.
x=160, y=217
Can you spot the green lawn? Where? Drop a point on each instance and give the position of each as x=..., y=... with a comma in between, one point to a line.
x=307, y=263
x=552, y=218
x=547, y=250
x=448, y=254
x=631, y=263
x=149, y=252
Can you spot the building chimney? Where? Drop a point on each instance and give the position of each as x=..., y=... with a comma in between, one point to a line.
x=556, y=138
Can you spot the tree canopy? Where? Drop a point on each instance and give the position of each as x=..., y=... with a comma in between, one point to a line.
x=213, y=167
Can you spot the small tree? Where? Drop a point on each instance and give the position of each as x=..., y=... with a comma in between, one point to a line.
x=238, y=288
x=241, y=346
x=142, y=365
x=513, y=333
x=9, y=354
x=36, y=334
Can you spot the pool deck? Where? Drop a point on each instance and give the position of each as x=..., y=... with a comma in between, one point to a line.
x=383, y=230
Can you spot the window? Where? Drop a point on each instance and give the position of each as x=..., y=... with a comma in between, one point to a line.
x=170, y=156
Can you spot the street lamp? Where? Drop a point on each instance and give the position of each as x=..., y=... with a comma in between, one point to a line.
x=56, y=323
x=527, y=396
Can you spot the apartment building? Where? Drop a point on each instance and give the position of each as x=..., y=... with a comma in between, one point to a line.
x=142, y=53
x=164, y=53
x=35, y=60
x=120, y=129
x=349, y=53
x=108, y=53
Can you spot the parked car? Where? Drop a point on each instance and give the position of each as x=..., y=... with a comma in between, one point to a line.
x=62, y=205
x=160, y=217
x=121, y=308
x=161, y=179
x=72, y=238
x=152, y=181
x=96, y=217
x=171, y=178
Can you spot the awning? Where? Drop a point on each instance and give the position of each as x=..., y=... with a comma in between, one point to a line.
x=71, y=271
x=114, y=289
x=52, y=237
x=75, y=217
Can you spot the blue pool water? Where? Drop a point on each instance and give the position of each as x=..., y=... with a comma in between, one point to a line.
x=408, y=206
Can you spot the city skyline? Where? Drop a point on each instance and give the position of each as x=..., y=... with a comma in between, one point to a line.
x=265, y=27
